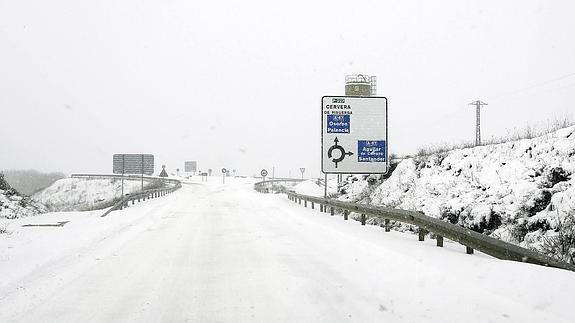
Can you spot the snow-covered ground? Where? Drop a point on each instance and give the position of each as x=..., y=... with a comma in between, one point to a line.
x=80, y=194
x=14, y=205
x=224, y=253
x=309, y=187
x=520, y=191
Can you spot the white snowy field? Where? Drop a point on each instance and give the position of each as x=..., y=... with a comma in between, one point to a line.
x=224, y=253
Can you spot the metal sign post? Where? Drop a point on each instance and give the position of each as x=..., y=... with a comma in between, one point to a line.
x=302, y=170
x=325, y=186
x=354, y=135
x=224, y=171
x=123, y=167
x=264, y=173
x=142, y=173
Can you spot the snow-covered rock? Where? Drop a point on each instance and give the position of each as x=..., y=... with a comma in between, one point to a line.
x=516, y=191
x=13, y=205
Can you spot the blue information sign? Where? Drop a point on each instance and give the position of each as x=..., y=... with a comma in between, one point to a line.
x=338, y=123
x=371, y=151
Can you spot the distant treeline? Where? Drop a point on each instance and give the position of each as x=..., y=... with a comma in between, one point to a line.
x=28, y=182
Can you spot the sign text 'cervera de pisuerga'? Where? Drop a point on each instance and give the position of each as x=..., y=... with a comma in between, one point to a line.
x=354, y=135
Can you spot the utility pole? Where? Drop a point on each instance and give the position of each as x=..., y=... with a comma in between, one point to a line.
x=478, y=104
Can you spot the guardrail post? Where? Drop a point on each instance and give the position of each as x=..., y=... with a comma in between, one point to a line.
x=312, y=205
x=439, y=240
x=422, y=233
x=345, y=213
x=468, y=250
x=305, y=203
x=362, y=219
x=321, y=207
x=133, y=201
x=331, y=211
x=387, y=228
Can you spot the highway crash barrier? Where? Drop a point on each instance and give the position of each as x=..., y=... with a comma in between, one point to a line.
x=470, y=239
x=142, y=196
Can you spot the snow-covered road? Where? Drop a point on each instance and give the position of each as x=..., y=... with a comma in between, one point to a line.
x=213, y=253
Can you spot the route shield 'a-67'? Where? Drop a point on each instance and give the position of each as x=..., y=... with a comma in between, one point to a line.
x=354, y=135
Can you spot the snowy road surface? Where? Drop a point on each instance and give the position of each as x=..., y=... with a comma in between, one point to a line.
x=213, y=253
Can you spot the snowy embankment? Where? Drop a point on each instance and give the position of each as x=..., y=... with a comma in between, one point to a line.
x=311, y=188
x=79, y=194
x=521, y=192
x=14, y=205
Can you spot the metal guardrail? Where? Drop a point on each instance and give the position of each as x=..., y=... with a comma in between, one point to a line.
x=126, y=177
x=470, y=239
x=147, y=194
x=265, y=186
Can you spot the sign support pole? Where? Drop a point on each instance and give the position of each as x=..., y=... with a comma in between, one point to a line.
x=142, y=173
x=123, y=161
x=325, y=187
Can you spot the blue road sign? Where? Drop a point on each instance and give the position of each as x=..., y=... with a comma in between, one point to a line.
x=372, y=151
x=338, y=123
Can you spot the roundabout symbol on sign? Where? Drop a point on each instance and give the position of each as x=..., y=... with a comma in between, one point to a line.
x=264, y=173
x=342, y=151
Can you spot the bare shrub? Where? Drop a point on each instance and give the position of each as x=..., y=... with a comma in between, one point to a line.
x=527, y=132
x=4, y=228
x=561, y=246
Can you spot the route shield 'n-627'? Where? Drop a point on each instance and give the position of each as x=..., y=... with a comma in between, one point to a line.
x=354, y=135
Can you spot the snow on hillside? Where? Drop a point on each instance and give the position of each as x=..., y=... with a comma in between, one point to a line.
x=13, y=205
x=79, y=194
x=309, y=187
x=522, y=191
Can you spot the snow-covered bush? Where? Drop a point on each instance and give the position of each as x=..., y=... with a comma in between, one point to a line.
x=4, y=228
x=13, y=205
x=560, y=244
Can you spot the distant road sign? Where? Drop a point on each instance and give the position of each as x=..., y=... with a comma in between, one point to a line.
x=354, y=135
x=190, y=166
x=224, y=170
x=133, y=164
x=302, y=170
x=264, y=173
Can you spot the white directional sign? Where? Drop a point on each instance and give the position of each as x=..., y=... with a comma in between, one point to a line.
x=190, y=166
x=354, y=135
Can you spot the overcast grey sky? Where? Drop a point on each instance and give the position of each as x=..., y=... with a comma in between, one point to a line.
x=238, y=84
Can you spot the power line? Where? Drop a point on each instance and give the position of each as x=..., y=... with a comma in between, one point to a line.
x=527, y=88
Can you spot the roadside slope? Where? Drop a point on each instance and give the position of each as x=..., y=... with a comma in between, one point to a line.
x=522, y=191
